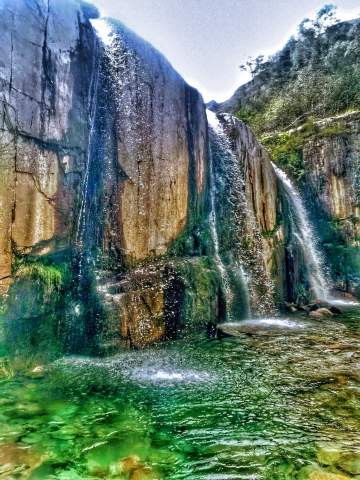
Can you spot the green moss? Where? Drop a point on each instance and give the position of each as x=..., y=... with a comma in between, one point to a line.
x=286, y=148
x=51, y=277
x=272, y=233
x=201, y=286
x=335, y=129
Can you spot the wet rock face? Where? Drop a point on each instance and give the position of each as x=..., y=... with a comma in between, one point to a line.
x=332, y=186
x=139, y=169
x=160, y=129
x=45, y=77
x=332, y=168
x=260, y=184
x=105, y=149
x=247, y=208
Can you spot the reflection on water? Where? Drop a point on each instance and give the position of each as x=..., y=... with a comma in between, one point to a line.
x=255, y=406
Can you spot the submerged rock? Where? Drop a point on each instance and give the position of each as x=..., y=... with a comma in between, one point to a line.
x=328, y=454
x=323, y=475
x=321, y=313
x=350, y=463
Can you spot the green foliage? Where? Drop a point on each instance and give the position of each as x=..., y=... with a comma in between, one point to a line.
x=50, y=277
x=316, y=74
x=286, y=149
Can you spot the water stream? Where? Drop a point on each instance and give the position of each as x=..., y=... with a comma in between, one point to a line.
x=219, y=134
x=279, y=401
x=303, y=231
x=213, y=228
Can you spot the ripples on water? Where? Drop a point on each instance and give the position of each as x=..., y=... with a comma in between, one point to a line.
x=260, y=405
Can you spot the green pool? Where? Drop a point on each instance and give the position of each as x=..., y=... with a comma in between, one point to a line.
x=278, y=401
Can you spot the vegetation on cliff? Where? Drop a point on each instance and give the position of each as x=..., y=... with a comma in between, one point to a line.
x=316, y=74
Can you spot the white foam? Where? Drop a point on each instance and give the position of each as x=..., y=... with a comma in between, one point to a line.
x=103, y=30
x=170, y=376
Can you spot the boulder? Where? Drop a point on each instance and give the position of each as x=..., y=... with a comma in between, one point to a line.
x=321, y=313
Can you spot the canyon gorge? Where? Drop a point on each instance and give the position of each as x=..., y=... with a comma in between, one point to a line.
x=179, y=282
x=109, y=166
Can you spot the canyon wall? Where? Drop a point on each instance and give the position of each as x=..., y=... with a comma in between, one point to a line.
x=121, y=207
x=44, y=97
x=331, y=185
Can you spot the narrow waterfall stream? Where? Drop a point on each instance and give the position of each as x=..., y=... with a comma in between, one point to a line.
x=213, y=228
x=218, y=133
x=92, y=105
x=303, y=232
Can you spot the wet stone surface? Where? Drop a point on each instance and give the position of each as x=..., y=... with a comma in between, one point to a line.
x=279, y=405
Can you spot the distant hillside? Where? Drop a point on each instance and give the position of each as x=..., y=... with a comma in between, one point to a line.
x=316, y=74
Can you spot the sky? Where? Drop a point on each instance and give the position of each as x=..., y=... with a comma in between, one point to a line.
x=207, y=40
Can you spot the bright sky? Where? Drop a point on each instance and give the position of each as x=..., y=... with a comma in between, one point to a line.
x=207, y=40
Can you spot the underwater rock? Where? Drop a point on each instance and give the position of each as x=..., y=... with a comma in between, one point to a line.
x=18, y=456
x=350, y=463
x=323, y=475
x=328, y=454
x=321, y=313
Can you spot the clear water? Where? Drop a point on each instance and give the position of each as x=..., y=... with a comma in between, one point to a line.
x=264, y=404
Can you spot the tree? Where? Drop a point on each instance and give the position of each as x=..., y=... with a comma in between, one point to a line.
x=253, y=65
x=325, y=17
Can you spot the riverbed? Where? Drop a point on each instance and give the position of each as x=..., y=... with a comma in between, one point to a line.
x=280, y=400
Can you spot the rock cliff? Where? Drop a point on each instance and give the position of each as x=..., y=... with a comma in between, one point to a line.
x=44, y=97
x=126, y=217
x=331, y=184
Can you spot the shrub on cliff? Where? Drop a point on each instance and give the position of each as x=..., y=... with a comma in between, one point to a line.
x=316, y=74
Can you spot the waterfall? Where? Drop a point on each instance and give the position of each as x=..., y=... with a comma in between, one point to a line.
x=215, y=238
x=92, y=105
x=303, y=232
x=77, y=328
x=220, y=136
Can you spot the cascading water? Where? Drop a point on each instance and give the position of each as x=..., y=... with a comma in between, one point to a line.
x=92, y=105
x=214, y=235
x=219, y=134
x=78, y=328
x=306, y=240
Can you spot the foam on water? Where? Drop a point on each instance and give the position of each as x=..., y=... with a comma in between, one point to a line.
x=168, y=376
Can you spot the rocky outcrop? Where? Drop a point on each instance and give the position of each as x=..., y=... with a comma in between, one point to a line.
x=44, y=96
x=329, y=181
x=103, y=157
x=159, y=125
x=111, y=175
x=246, y=210
x=332, y=171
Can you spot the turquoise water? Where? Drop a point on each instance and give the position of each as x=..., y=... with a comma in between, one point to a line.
x=281, y=401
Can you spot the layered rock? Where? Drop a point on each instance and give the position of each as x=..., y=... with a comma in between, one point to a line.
x=243, y=176
x=332, y=188
x=44, y=95
x=332, y=170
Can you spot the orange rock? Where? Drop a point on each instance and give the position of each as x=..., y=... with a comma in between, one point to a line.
x=143, y=473
x=322, y=475
x=130, y=463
